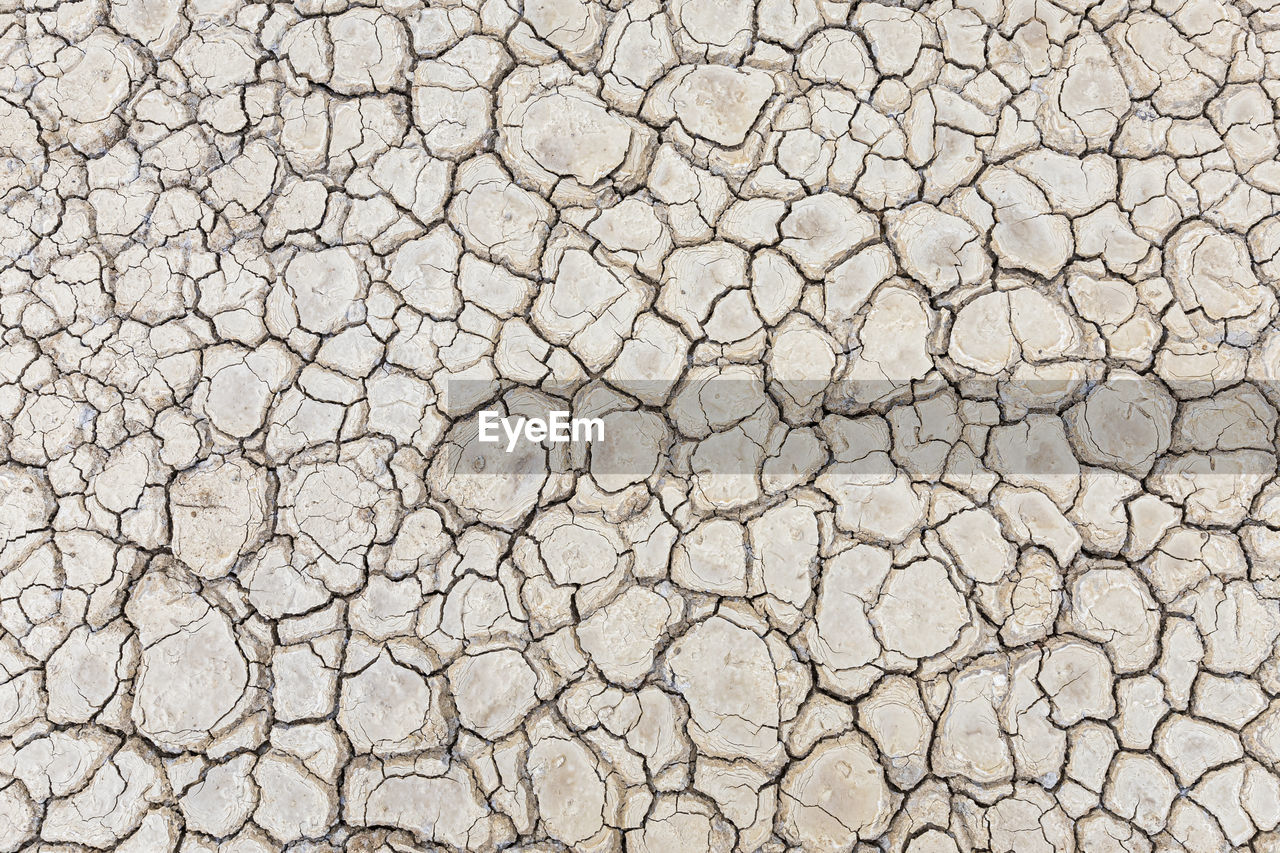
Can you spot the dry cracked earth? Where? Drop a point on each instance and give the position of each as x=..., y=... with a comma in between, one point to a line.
x=936, y=350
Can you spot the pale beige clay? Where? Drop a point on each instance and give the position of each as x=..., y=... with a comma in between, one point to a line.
x=935, y=346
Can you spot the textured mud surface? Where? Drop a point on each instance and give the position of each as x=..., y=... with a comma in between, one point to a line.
x=936, y=350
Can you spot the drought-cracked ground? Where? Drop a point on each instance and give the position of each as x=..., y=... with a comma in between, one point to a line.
x=937, y=352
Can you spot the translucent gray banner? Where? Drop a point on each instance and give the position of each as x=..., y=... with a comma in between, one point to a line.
x=733, y=423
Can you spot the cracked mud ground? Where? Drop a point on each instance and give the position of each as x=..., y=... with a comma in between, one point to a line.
x=936, y=345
